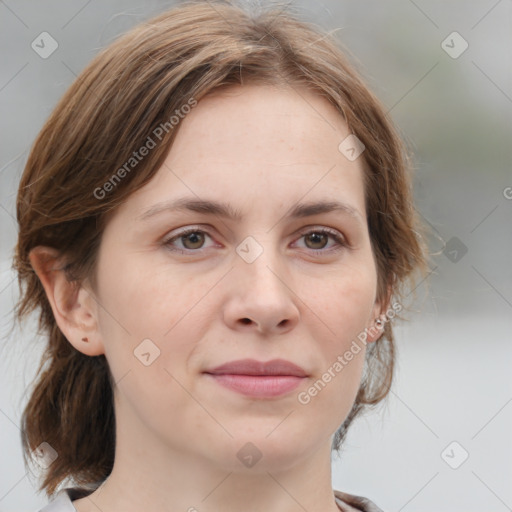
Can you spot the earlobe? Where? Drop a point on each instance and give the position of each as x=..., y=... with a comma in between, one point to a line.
x=73, y=306
x=378, y=319
x=376, y=329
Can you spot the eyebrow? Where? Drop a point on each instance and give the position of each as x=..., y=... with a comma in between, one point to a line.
x=225, y=210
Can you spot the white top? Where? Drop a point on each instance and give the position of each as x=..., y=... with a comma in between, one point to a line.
x=62, y=503
x=346, y=502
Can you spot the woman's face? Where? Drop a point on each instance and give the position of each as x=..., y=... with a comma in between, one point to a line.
x=270, y=284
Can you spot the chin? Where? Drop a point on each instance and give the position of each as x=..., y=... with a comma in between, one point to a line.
x=254, y=452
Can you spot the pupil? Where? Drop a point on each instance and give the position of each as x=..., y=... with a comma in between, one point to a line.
x=317, y=236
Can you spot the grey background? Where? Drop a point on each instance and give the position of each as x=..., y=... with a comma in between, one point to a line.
x=455, y=353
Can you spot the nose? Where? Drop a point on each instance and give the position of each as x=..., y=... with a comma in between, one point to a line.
x=262, y=298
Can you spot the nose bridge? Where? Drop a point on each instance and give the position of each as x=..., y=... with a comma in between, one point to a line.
x=260, y=264
x=260, y=292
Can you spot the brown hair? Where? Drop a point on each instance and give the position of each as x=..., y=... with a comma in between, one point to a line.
x=130, y=88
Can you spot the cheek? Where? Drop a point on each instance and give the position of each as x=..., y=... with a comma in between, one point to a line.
x=344, y=307
x=344, y=301
x=146, y=300
x=150, y=309
x=146, y=329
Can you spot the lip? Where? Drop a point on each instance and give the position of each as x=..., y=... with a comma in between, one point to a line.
x=257, y=378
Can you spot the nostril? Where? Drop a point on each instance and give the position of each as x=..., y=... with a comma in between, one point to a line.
x=246, y=320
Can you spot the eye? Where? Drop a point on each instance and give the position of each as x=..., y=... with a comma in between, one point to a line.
x=191, y=239
x=317, y=239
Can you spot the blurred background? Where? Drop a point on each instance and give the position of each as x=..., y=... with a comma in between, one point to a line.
x=443, y=439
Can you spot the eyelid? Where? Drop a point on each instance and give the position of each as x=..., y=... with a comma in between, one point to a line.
x=323, y=229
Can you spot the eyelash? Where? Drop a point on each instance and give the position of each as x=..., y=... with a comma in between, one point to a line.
x=339, y=239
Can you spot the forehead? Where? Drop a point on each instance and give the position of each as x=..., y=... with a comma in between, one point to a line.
x=278, y=123
x=252, y=146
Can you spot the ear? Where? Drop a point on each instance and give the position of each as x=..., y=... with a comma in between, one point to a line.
x=74, y=307
x=378, y=318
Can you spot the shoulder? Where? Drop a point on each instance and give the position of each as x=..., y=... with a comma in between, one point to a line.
x=63, y=501
x=351, y=503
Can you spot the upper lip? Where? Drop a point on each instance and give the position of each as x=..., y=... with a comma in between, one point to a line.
x=253, y=367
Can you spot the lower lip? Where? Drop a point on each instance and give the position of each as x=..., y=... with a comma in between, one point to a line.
x=259, y=386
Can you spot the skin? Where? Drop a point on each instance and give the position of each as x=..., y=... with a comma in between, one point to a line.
x=262, y=150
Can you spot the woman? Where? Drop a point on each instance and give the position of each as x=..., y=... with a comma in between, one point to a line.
x=216, y=226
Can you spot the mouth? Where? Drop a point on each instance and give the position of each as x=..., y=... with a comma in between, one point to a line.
x=259, y=379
